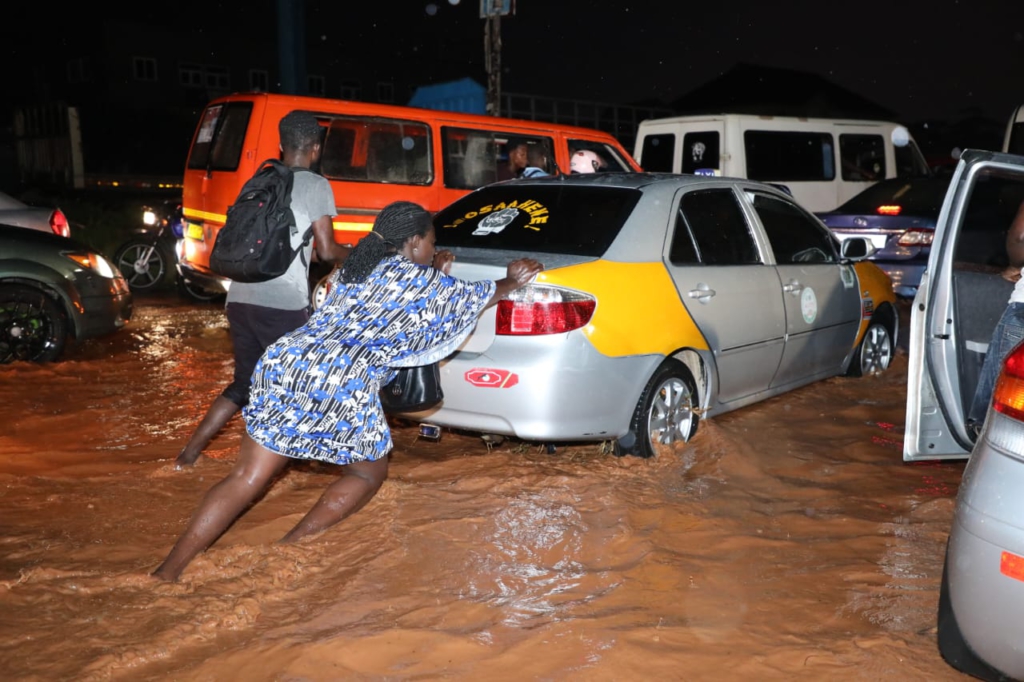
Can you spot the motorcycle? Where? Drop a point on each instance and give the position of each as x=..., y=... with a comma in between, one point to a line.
x=150, y=255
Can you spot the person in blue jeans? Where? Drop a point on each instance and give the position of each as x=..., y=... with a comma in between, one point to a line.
x=1009, y=331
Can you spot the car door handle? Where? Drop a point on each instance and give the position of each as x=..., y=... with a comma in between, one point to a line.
x=793, y=287
x=702, y=293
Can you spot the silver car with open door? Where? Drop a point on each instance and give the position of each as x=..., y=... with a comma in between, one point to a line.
x=960, y=300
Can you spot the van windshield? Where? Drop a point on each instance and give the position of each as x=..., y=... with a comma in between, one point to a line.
x=543, y=218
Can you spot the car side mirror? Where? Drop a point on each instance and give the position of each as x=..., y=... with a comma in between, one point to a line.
x=857, y=248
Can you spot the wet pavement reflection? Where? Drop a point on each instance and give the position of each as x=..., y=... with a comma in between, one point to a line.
x=788, y=540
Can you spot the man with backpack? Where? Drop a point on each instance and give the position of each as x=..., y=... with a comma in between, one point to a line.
x=260, y=312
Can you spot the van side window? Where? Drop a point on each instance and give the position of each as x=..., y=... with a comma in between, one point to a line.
x=474, y=158
x=712, y=221
x=611, y=162
x=701, y=152
x=657, y=152
x=376, y=150
x=795, y=236
x=218, y=144
x=779, y=156
x=862, y=157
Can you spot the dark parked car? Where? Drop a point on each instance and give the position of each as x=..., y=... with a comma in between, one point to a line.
x=899, y=217
x=51, y=288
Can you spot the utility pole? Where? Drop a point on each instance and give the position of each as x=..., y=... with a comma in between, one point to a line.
x=491, y=12
x=291, y=46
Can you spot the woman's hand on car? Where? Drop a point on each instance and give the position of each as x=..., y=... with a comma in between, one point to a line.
x=523, y=270
x=443, y=261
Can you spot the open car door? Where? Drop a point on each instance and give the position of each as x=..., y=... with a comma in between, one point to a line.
x=960, y=300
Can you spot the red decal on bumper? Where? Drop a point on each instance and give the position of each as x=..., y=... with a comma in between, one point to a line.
x=491, y=378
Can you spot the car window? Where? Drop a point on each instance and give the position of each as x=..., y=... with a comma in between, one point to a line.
x=776, y=156
x=862, y=157
x=701, y=152
x=218, y=143
x=920, y=197
x=795, y=236
x=549, y=218
x=990, y=209
x=710, y=229
x=610, y=159
x=656, y=153
x=370, y=149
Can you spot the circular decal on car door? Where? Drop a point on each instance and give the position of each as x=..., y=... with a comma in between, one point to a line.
x=808, y=305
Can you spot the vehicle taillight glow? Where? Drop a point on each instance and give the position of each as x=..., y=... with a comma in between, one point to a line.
x=889, y=209
x=916, y=237
x=1008, y=398
x=539, y=309
x=59, y=223
x=1012, y=566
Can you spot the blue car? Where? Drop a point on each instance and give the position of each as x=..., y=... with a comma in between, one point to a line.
x=899, y=217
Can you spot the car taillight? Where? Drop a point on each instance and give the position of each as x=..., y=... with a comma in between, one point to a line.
x=916, y=237
x=59, y=224
x=889, y=209
x=538, y=309
x=1008, y=397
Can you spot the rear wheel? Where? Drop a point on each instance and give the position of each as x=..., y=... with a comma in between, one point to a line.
x=874, y=352
x=196, y=292
x=665, y=414
x=32, y=325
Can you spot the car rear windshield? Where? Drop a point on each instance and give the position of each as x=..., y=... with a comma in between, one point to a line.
x=547, y=218
x=912, y=196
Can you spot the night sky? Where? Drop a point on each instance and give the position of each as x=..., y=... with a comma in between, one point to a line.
x=924, y=59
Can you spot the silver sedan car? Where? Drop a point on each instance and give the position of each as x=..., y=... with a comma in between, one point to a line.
x=20, y=214
x=665, y=299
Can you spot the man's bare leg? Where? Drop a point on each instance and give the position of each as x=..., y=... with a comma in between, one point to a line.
x=220, y=412
x=344, y=497
x=255, y=469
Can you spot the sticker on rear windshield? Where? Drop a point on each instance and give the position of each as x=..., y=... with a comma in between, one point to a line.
x=496, y=222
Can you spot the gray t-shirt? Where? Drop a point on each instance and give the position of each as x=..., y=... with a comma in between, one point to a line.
x=312, y=198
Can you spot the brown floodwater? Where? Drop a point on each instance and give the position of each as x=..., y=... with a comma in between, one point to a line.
x=788, y=540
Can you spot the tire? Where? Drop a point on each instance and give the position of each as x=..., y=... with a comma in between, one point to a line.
x=952, y=646
x=318, y=293
x=143, y=264
x=195, y=292
x=665, y=413
x=32, y=325
x=874, y=353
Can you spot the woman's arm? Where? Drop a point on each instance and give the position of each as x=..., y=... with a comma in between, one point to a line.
x=519, y=273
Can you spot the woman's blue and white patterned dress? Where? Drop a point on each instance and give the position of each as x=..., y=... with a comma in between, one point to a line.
x=314, y=391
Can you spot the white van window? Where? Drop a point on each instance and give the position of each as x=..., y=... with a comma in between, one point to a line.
x=656, y=154
x=364, y=149
x=779, y=156
x=1016, y=144
x=862, y=157
x=701, y=152
x=910, y=162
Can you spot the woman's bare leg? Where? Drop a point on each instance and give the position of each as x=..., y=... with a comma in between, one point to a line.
x=344, y=497
x=254, y=470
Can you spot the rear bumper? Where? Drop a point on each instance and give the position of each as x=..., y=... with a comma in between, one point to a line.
x=556, y=388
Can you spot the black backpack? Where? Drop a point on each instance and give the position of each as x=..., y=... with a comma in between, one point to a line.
x=254, y=245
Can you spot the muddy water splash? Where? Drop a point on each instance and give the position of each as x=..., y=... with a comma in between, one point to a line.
x=787, y=541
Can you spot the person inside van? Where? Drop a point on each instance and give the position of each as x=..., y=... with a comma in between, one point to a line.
x=517, y=159
x=537, y=162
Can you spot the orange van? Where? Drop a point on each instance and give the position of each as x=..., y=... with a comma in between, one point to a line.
x=373, y=154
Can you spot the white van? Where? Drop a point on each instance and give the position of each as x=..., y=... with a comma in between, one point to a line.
x=1013, y=141
x=799, y=153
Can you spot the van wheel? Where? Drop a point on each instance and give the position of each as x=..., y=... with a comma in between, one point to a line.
x=874, y=353
x=952, y=646
x=665, y=414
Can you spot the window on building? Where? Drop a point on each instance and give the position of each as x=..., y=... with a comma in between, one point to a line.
x=217, y=77
x=78, y=71
x=385, y=92
x=351, y=89
x=144, y=68
x=258, y=80
x=315, y=85
x=190, y=75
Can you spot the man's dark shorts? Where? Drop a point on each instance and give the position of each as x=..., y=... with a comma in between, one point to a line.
x=253, y=328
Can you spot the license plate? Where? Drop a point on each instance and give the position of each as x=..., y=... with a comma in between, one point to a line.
x=194, y=231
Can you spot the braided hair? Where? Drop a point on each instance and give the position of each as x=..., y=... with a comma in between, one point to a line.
x=395, y=224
